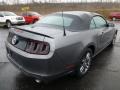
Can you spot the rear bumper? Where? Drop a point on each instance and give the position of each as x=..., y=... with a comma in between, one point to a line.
x=26, y=72
x=46, y=69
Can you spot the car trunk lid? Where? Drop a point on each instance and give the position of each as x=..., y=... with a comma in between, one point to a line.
x=42, y=30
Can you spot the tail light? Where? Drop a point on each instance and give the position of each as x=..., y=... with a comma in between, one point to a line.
x=37, y=47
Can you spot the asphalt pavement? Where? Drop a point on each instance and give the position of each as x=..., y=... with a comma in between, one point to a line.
x=3, y=36
x=103, y=75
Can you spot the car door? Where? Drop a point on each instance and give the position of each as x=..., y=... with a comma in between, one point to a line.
x=102, y=31
x=30, y=18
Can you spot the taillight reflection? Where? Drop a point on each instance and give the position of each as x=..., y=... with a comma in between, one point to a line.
x=36, y=47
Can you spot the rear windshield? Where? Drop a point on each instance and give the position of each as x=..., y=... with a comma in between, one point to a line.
x=57, y=21
x=71, y=22
x=34, y=13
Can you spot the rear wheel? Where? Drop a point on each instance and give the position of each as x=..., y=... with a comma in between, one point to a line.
x=8, y=24
x=85, y=63
x=114, y=19
x=34, y=21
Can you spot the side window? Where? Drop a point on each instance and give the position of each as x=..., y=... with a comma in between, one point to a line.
x=99, y=22
x=1, y=15
x=30, y=14
x=24, y=14
x=92, y=24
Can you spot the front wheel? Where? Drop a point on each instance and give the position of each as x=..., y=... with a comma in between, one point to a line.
x=85, y=63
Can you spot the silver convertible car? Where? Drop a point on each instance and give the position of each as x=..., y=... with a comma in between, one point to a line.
x=59, y=44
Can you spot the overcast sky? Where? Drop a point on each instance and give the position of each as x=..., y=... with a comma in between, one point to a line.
x=29, y=1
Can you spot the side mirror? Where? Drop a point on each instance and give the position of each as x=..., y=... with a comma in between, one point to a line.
x=110, y=25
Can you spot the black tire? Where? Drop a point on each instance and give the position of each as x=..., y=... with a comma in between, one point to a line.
x=85, y=63
x=34, y=21
x=8, y=24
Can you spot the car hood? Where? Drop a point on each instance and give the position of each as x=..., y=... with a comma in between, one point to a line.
x=13, y=16
x=42, y=30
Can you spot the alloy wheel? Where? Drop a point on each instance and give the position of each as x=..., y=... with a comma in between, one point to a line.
x=85, y=64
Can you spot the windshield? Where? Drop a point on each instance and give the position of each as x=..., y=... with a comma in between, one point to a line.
x=9, y=14
x=34, y=13
x=55, y=20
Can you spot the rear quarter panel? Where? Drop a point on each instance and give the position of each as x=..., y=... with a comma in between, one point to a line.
x=71, y=47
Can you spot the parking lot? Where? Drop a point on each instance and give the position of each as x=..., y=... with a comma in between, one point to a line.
x=103, y=75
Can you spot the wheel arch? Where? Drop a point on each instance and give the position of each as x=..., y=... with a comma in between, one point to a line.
x=8, y=20
x=92, y=47
x=35, y=19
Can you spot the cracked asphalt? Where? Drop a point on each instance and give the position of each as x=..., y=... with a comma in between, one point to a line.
x=103, y=75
